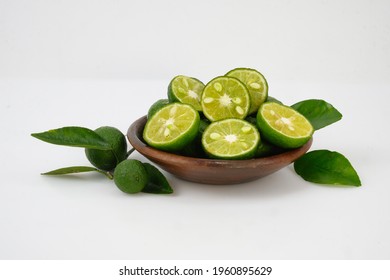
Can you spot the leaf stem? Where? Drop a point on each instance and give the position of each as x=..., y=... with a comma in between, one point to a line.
x=130, y=152
x=108, y=174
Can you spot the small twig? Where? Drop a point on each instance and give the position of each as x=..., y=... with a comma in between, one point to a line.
x=130, y=152
x=108, y=174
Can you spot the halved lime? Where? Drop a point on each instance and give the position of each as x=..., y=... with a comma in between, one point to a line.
x=256, y=84
x=157, y=106
x=231, y=139
x=283, y=126
x=186, y=90
x=172, y=127
x=224, y=98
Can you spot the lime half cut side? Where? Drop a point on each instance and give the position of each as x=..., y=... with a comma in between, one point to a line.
x=231, y=139
x=186, y=90
x=256, y=84
x=157, y=106
x=283, y=126
x=224, y=98
x=172, y=127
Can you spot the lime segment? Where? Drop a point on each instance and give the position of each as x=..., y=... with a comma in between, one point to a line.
x=231, y=139
x=186, y=90
x=283, y=126
x=256, y=84
x=172, y=127
x=225, y=97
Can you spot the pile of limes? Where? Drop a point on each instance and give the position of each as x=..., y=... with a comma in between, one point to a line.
x=231, y=117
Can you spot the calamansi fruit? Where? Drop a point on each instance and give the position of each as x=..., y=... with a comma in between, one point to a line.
x=108, y=159
x=130, y=176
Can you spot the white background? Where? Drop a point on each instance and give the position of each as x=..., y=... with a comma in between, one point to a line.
x=94, y=63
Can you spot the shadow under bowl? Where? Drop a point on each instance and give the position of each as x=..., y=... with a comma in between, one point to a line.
x=212, y=171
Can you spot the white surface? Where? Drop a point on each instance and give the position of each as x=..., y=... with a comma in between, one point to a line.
x=94, y=63
x=315, y=40
x=278, y=217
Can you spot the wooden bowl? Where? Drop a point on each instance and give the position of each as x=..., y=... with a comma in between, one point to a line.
x=212, y=171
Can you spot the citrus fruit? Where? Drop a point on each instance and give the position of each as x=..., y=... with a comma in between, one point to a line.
x=157, y=106
x=108, y=159
x=256, y=84
x=130, y=176
x=224, y=98
x=231, y=139
x=266, y=149
x=195, y=149
x=251, y=119
x=186, y=90
x=172, y=127
x=273, y=99
x=283, y=126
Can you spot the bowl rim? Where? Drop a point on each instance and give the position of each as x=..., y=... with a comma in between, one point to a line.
x=134, y=136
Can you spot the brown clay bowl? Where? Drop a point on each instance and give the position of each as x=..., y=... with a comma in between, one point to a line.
x=212, y=171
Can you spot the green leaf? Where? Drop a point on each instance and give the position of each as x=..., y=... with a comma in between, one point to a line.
x=157, y=183
x=326, y=167
x=77, y=169
x=319, y=112
x=74, y=136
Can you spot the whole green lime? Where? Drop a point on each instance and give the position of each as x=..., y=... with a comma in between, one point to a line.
x=195, y=149
x=108, y=159
x=266, y=149
x=130, y=176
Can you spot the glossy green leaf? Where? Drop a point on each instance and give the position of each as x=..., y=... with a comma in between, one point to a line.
x=326, y=167
x=319, y=112
x=157, y=183
x=77, y=169
x=74, y=136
